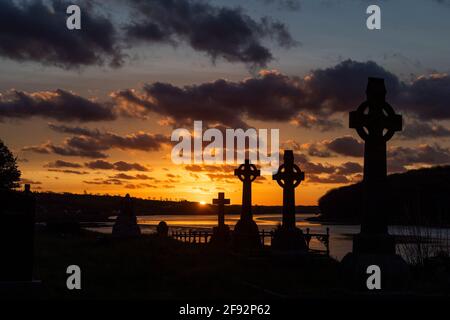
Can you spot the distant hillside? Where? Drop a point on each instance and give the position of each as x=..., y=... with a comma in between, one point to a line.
x=416, y=196
x=85, y=207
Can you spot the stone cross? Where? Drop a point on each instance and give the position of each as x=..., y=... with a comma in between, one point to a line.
x=221, y=202
x=375, y=122
x=289, y=177
x=247, y=173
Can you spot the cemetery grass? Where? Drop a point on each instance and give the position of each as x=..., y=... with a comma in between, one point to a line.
x=155, y=268
x=165, y=269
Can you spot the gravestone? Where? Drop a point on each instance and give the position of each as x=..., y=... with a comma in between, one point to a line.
x=162, y=229
x=375, y=122
x=221, y=233
x=246, y=233
x=17, y=214
x=287, y=236
x=126, y=222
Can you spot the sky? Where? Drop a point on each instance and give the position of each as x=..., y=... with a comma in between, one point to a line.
x=92, y=110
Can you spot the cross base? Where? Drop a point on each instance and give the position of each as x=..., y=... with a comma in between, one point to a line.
x=381, y=243
x=221, y=236
x=246, y=237
x=394, y=271
x=289, y=239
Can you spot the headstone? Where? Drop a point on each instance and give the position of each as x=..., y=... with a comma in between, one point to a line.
x=221, y=233
x=17, y=214
x=126, y=222
x=162, y=230
x=288, y=237
x=375, y=122
x=246, y=233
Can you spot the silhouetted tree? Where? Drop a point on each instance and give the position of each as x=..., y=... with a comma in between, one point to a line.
x=9, y=173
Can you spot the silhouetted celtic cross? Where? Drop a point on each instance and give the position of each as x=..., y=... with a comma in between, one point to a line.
x=375, y=118
x=247, y=172
x=289, y=174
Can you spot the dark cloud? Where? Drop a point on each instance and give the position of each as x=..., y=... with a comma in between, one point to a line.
x=427, y=97
x=400, y=157
x=309, y=121
x=342, y=88
x=66, y=150
x=62, y=164
x=349, y=168
x=332, y=178
x=417, y=130
x=86, y=138
x=59, y=105
x=99, y=181
x=36, y=31
x=313, y=101
x=291, y=5
x=346, y=146
x=118, y=166
x=125, y=166
x=270, y=96
x=219, y=32
x=29, y=181
x=210, y=167
x=124, y=176
x=99, y=165
x=93, y=143
x=69, y=171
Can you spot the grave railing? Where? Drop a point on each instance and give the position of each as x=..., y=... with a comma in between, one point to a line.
x=203, y=237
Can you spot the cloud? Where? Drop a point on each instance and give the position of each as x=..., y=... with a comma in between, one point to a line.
x=332, y=178
x=271, y=96
x=291, y=5
x=59, y=105
x=36, y=31
x=417, y=130
x=309, y=121
x=118, y=166
x=342, y=88
x=125, y=166
x=220, y=32
x=314, y=101
x=66, y=150
x=29, y=181
x=346, y=146
x=62, y=164
x=86, y=138
x=425, y=154
x=427, y=97
x=69, y=171
x=92, y=143
x=99, y=164
x=124, y=176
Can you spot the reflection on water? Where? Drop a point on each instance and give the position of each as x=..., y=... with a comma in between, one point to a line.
x=340, y=235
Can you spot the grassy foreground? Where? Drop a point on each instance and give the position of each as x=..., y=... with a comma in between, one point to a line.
x=154, y=268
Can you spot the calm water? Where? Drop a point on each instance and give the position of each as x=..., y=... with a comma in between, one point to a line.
x=340, y=235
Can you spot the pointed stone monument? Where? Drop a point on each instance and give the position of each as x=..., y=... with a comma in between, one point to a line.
x=126, y=222
x=289, y=176
x=221, y=234
x=246, y=234
x=375, y=122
